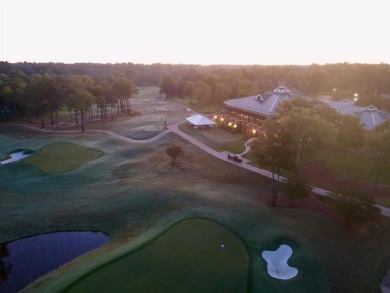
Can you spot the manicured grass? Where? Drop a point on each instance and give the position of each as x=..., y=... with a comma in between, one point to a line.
x=235, y=147
x=183, y=101
x=193, y=104
x=147, y=193
x=356, y=171
x=358, y=166
x=187, y=258
x=133, y=194
x=147, y=92
x=217, y=138
x=62, y=157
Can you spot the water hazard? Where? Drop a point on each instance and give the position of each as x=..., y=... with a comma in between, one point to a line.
x=25, y=260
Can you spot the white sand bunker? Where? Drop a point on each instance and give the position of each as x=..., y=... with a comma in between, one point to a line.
x=277, y=263
x=15, y=157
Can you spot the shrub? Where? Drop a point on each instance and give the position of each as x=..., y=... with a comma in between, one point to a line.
x=356, y=207
x=174, y=151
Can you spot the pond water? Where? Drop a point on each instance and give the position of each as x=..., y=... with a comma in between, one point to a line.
x=25, y=260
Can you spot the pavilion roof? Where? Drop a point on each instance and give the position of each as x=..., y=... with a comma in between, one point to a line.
x=199, y=120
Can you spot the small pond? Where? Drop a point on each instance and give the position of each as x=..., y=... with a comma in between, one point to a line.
x=25, y=260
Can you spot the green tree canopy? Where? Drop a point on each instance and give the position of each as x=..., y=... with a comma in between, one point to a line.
x=80, y=95
x=355, y=207
x=169, y=86
x=314, y=106
x=36, y=97
x=124, y=89
x=275, y=151
x=296, y=186
x=378, y=147
x=309, y=133
x=174, y=151
x=202, y=92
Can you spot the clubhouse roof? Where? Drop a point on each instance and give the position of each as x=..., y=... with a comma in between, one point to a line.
x=263, y=104
x=369, y=116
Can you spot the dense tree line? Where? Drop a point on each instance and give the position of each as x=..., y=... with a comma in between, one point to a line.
x=215, y=84
x=39, y=94
x=230, y=81
x=34, y=89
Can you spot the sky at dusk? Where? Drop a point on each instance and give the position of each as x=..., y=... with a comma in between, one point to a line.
x=195, y=32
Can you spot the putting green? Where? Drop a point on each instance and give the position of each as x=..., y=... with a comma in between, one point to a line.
x=62, y=157
x=187, y=258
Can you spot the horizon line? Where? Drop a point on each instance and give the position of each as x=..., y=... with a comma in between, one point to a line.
x=191, y=64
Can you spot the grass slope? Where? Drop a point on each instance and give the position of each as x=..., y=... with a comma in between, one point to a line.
x=149, y=194
x=187, y=258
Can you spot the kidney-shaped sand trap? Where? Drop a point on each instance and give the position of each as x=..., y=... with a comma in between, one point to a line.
x=277, y=263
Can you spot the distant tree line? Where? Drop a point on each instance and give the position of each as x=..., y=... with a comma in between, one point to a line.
x=36, y=95
x=231, y=81
x=216, y=84
x=33, y=89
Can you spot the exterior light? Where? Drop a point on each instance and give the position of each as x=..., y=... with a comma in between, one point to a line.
x=334, y=90
x=235, y=125
x=355, y=99
x=355, y=95
x=254, y=131
x=215, y=116
x=222, y=119
x=230, y=124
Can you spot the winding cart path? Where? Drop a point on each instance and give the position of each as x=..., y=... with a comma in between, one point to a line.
x=173, y=128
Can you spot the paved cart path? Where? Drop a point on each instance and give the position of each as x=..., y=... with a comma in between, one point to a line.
x=173, y=128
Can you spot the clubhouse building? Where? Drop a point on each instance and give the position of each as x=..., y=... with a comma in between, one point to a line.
x=246, y=114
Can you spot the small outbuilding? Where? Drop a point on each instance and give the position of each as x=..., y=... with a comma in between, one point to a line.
x=200, y=121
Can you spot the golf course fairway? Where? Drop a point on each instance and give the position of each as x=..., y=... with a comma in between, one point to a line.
x=194, y=255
